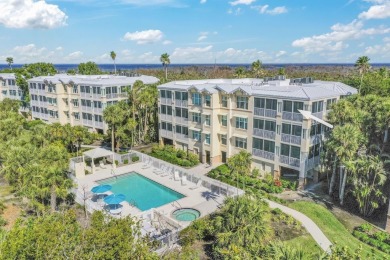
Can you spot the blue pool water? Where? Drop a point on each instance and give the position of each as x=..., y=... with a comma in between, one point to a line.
x=141, y=191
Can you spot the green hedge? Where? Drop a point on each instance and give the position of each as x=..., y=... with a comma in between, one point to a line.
x=175, y=156
x=379, y=239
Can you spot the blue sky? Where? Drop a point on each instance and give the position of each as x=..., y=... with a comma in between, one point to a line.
x=195, y=31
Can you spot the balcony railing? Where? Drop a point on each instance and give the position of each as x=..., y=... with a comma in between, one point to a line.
x=315, y=139
x=319, y=114
x=181, y=120
x=264, y=133
x=166, y=133
x=291, y=139
x=265, y=112
x=181, y=137
x=98, y=124
x=87, y=122
x=166, y=101
x=166, y=117
x=292, y=116
x=86, y=109
x=263, y=154
x=313, y=162
x=181, y=103
x=290, y=161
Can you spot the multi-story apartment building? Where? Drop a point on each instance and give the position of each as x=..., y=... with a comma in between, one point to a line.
x=219, y=117
x=8, y=87
x=79, y=99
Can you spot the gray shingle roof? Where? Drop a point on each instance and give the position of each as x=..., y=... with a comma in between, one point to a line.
x=7, y=76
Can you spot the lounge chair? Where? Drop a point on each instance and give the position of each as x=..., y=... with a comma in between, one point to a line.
x=184, y=180
x=176, y=176
x=166, y=172
x=147, y=164
x=161, y=170
x=102, y=165
x=198, y=184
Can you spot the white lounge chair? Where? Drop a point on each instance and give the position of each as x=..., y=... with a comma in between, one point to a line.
x=147, y=164
x=176, y=176
x=166, y=172
x=102, y=165
x=184, y=180
x=198, y=184
x=159, y=171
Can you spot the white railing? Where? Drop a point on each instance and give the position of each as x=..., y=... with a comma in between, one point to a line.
x=86, y=109
x=182, y=137
x=166, y=133
x=87, y=122
x=291, y=139
x=166, y=117
x=112, y=95
x=289, y=161
x=181, y=120
x=166, y=101
x=265, y=112
x=181, y=103
x=315, y=139
x=292, y=116
x=97, y=110
x=98, y=124
x=263, y=154
x=264, y=133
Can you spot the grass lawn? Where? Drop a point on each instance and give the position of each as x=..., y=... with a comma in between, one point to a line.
x=306, y=242
x=334, y=230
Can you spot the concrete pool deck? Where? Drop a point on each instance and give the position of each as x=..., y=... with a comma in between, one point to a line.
x=201, y=198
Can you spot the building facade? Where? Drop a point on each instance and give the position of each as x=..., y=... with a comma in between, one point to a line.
x=79, y=99
x=218, y=118
x=8, y=87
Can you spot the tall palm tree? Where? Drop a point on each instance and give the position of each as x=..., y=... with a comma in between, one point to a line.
x=257, y=68
x=10, y=61
x=165, y=62
x=363, y=66
x=114, y=116
x=113, y=57
x=240, y=73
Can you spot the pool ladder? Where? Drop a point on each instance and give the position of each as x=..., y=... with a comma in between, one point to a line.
x=173, y=204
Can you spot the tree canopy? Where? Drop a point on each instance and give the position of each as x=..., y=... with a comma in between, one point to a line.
x=89, y=68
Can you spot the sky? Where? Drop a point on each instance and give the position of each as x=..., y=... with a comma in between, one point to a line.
x=194, y=31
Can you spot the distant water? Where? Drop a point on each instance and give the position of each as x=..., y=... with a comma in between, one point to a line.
x=110, y=67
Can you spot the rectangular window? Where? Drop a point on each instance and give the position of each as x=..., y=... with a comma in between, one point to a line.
x=223, y=139
x=287, y=106
x=224, y=101
x=163, y=109
x=258, y=123
x=269, y=126
x=242, y=102
x=241, y=123
x=178, y=95
x=196, y=135
x=169, y=110
x=296, y=130
x=184, y=113
x=184, y=130
x=259, y=102
x=207, y=100
x=162, y=93
x=168, y=94
x=224, y=120
x=285, y=150
x=207, y=120
x=241, y=142
x=271, y=104
x=178, y=129
x=178, y=111
x=269, y=146
x=196, y=99
x=298, y=106
x=317, y=106
x=207, y=139
x=196, y=117
x=258, y=144
x=286, y=129
x=295, y=152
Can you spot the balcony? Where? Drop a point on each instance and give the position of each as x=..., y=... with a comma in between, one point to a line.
x=265, y=112
x=313, y=162
x=86, y=109
x=181, y=137
x=292, y=116
x=98, y=124
x=181, y=120
x=291, y=139
x=87, y=122
x=263, y=154
x=290, y=161
x=320, y=115
x=264, y=133
x=166, y=133
x=181, y=103
x=166, y=117
x=315, y=139
x=166, y=101
x=97, y=110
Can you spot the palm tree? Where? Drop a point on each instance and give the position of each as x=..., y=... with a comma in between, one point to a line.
x=113, y=56
x=257, y=68
x=10, y=61
x=240, y=164
x=114, y=116
x=165, y=62
x=240, y=73
x=363, y=66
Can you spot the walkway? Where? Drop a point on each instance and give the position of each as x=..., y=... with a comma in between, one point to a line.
x=307, y=223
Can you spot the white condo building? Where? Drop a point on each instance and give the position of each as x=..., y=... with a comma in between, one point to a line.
x=79, y=99
x=8, y=87
x=217, y=118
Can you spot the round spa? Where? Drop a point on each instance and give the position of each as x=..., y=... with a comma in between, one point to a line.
x=186, y=214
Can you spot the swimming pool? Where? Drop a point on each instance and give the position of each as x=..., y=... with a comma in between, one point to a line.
x=141, y=191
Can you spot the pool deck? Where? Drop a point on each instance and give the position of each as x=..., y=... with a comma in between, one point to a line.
x=201, y=199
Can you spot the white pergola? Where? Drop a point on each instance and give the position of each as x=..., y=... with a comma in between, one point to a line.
x=98, y=153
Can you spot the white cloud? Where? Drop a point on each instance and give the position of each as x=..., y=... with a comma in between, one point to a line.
x=383, y=50
x=191, y=54
x=148, y=57
x=236, y=11
x=242, y=2
x=264, y=9
x=381, y=10
x=28, y=51
x=59, y=48
x=31, y=14
x=202, y=37
x=167, y=42
x=280, y=53
x=172, y=3
x=144, y=37
x=203, y=1
x=335, y=40
x=73, y=56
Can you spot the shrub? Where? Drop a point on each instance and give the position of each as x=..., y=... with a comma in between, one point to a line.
x=135, y=159
x=116, y=162
x=3, y=222
x=126, y=161
x=175, y=156
x=365, y=227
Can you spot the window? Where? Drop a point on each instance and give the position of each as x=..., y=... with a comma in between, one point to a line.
x=271, y=104
x=330, y=102
x=286, y=129
x=98, y=118
x=196, y=99
x=181, y=95
x=224, y=120
x=317, y=106
x=76, y=116
x=169, y=110
x=162, y=94
x=263, y=145
x=166, y=110
x=290, y=151
x=168, y=94
x=207, y=120
x=259, y=102
x=258, y=123
x=223, y=139
x=97, y=104
x=51, y=89
x=196, y=118
x=269, y=146
x=287, y=106
x=241, y=123
x=242, y=102
x=196, y=135
x=240, y=142
x=269, y=126
x=207, y=100
x=285, y=150
x=315, y=129
x=178, y=111
x=96, y=90
x=258, y=144
x=224, y=101
x=207, y=138
x=296, y=130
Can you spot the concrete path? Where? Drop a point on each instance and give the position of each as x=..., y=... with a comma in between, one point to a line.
x=306, y=222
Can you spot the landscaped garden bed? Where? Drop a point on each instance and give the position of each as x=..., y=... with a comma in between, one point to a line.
x=175, y=156
x=376, y=238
